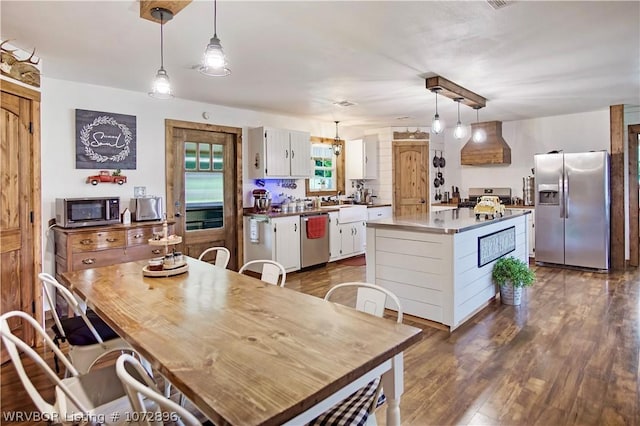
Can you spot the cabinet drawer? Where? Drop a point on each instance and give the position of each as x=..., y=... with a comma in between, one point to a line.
x=97, y=241
x=141, y=252
x=93, y=259
x=142, y=235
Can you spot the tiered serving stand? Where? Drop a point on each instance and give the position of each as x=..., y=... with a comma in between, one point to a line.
x=168, y=270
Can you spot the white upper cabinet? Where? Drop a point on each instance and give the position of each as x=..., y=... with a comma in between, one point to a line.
x=278, y=153
x=362, y=158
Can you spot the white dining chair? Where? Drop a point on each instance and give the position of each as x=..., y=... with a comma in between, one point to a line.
x=97, y=394
x=87, y=334
x=270, y=272
x=359, y=408
x=141, y=389
x=223, y=255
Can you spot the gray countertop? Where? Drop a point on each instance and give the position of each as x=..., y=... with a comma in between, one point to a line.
x=443, y=222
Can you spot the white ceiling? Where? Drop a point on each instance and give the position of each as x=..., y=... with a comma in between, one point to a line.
x=529, y=59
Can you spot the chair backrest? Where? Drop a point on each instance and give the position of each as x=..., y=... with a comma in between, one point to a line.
x=371, y=298
x=138, y=384
x=271, y=271
x=14, y=345
x=222, y=255
x=70, y=299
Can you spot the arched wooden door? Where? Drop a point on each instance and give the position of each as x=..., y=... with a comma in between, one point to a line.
x=19, y=203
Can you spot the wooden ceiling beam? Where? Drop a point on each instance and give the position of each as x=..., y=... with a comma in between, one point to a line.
x=174, y=6
x=453, y=91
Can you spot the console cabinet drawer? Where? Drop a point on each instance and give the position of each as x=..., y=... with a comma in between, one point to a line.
x=142, y=235
x=141, y=252
x=97, y=241
x=93, y=259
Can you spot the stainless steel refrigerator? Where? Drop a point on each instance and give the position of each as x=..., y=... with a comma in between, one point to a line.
x=572, y=211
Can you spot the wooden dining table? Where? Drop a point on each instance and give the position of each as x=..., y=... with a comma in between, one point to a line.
x=243, y=351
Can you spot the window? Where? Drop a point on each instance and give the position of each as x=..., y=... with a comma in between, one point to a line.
x=204, y=185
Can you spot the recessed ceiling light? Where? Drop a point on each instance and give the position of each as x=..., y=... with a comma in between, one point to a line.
x=344, y=103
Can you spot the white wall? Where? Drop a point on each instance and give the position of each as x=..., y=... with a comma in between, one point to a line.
x=60, y=178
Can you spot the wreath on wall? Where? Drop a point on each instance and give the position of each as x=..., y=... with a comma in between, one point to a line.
x=105, y=120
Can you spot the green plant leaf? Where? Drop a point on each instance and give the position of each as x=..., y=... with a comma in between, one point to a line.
x=509, y=270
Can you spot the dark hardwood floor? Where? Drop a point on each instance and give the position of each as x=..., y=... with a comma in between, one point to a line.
x=569, y=355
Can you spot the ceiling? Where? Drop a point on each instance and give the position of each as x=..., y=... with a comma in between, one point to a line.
x=529, y=59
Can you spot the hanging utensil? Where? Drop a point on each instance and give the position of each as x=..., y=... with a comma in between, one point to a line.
x=436, y=160
x=436, y=182
x=442, y=180
x=441, y=161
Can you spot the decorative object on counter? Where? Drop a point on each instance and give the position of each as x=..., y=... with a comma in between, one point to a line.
x=105, y=176
x=161, y=86
x=337, y=144
x=126, y=217
x=489, y=205
x=512, y=275
x=105, y=140
x=214, y=61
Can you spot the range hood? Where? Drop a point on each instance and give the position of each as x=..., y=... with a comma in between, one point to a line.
x=494, y=150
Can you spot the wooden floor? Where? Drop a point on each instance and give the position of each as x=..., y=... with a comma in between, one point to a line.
x=568, y=356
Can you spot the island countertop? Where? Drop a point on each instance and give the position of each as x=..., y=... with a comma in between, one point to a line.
x=443, y=222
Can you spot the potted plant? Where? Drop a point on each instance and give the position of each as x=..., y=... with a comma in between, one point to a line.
x=512, y=275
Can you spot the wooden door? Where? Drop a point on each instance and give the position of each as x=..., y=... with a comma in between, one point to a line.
x=410, y=178
x=204, y=187
x=19, y=203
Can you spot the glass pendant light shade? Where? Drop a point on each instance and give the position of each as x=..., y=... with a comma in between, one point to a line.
x=336, y=146
x=214, y=62
x=437, y=126
x=479, y=134
x=161, y=86
x=458, y=132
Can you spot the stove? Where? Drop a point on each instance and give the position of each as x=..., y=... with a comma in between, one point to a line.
x=504, y=194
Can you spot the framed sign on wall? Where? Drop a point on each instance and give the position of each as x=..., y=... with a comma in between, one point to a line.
x=105, y=140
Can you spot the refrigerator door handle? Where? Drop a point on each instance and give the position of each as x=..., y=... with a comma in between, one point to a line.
x=566, y=196
x=561, y=189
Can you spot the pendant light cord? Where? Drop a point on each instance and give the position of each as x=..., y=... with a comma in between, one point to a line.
x=215, y=18
x=161, y=40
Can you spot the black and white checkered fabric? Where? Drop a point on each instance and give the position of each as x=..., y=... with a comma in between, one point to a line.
x=353, y=411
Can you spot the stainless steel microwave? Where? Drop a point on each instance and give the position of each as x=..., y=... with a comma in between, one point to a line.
x=146, y=208
x=79, y=212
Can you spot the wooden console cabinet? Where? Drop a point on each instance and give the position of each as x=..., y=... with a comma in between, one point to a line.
x=83, y=248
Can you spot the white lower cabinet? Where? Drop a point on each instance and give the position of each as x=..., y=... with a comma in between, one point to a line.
x=346, y=239
x=278, y=239
x=335, y=240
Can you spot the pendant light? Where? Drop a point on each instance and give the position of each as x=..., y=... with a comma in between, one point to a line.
x=161, y=88
x=458, y=132
x=437, y=126
x=336, y=146
x=214, y=62
x=479, y=134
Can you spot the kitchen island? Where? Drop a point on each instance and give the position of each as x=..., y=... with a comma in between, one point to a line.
x=440, y=264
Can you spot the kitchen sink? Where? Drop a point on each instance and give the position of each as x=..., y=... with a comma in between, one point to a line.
x=349, y=212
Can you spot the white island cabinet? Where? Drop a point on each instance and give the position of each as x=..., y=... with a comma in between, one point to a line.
x=440, y=264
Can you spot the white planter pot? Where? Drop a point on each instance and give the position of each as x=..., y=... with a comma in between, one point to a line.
x=510, y=295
